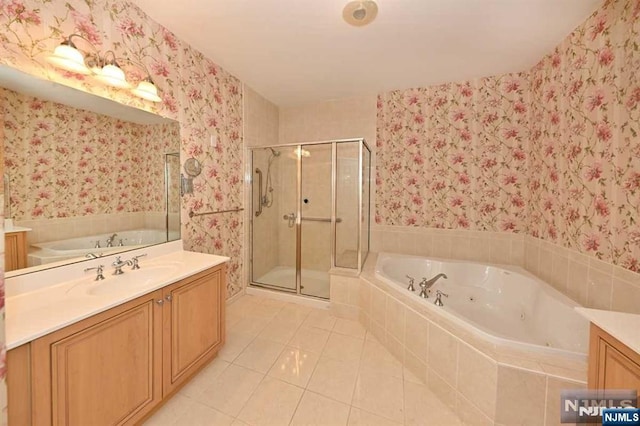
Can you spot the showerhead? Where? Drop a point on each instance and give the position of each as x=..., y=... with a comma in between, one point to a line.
x=274, y=152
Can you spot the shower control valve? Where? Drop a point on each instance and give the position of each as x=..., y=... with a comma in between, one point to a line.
x=411, y=281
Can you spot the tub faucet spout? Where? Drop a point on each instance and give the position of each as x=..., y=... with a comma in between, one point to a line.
x=111, y=239
x=426, y=284
x=433, y=280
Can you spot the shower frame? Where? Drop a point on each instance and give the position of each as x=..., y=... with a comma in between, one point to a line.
x=362, y=145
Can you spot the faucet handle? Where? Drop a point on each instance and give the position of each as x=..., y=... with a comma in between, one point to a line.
x=134, y=261
x=99, y=269
x=423, y=283
x=439, y=293
x=411, y=280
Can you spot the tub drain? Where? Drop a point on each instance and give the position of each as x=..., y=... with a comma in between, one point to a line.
x=522, y=317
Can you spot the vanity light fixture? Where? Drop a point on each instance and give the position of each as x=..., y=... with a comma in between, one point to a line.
x=104, y=67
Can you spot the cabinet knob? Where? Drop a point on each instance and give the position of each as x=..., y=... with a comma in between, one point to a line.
x=159, y=301
x=169, y=298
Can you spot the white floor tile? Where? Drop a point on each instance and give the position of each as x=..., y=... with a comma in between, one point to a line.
x=344, y=348
x=334, y=379
x=310, y=339
x=294, y=366
x=359, y=417
x=377, y=358
x=380, y=394
x=423, y=407
x=203, y=379
x=273, y=403
x=315, y=409
x=260, y=355
x=279, y=331
x=231, y=390
x=349, y=328
x=235, y=344
x=320, y=318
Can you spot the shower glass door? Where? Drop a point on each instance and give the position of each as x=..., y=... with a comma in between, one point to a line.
x=315, y=224
x=274, y=213
x=310, y=212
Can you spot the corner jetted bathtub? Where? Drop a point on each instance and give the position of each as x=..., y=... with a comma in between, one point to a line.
x=502, y=306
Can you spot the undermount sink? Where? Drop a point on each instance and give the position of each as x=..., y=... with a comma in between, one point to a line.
x=143, y=277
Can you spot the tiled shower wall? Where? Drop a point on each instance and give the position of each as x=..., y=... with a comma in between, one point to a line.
x=327, y=121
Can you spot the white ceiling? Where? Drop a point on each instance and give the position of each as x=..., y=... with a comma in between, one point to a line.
x=301, y=51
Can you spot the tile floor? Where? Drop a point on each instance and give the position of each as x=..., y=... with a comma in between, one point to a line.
x=287, y=364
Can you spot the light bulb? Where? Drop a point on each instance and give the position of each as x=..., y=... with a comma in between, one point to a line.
x=147, y=90
x=67, y=57
x=113, y=75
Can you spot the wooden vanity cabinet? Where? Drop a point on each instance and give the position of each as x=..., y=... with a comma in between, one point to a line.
x=193, y=330
x=612, y=364
x=117, y=367
x=15, y=247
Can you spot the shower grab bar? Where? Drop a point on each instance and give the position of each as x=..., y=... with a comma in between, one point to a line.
x=192, y=214
x=259, y=172
x=321, y=219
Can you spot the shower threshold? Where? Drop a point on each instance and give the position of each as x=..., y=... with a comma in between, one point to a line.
x=314, y=283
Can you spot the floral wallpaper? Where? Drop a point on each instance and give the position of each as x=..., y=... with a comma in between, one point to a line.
x=554, y=152
x=3, y=346
x=66, y=162
x=454, y=155
x=585, y=142
x=203, y=97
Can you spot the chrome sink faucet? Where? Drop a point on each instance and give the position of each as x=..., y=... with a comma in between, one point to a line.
x=118, y=264
x=111, y=239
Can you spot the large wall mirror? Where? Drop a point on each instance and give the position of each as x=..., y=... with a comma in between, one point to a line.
x=83, y=176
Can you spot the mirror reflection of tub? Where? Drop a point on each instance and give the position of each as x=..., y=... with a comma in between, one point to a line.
x=87, y=247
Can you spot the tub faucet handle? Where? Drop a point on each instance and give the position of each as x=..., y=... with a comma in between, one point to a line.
x=438, y=301
x=411, y=281
x=98, y=270
x=424, y=288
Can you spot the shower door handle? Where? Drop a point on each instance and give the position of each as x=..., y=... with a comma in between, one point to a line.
x=291, y=218
x=259, y=172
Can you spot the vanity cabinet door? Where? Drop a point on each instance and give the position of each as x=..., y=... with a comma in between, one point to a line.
x=193, y=324
x=15, y=256
x=105, y=370
x=612, y=365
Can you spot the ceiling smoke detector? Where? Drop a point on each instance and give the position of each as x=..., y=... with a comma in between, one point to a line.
x=360, y=13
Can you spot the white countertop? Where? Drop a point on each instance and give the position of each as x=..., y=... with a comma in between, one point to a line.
x=35, y=313
x=624, y=327
x=16, y=229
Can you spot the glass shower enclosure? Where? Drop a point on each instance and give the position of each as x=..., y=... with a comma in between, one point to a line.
x=310, y=213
